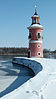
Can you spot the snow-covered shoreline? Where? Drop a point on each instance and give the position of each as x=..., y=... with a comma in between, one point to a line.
x=39, y=86
x=32, y=64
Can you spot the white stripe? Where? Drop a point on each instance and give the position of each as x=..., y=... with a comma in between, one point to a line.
x=35, y=41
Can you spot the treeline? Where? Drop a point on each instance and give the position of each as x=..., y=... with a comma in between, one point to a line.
x=13, y=51
x=49, y=51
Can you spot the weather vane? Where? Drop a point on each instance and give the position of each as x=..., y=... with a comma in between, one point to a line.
x=35, y=8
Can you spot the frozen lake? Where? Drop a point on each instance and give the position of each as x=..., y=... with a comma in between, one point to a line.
x=12, y=75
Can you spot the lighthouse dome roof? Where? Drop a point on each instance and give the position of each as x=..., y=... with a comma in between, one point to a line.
x=36, y=16
x=36, y=26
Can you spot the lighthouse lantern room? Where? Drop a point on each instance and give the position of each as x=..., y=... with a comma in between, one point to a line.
x=35, y=37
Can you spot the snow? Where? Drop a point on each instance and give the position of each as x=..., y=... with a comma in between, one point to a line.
x=42, y=85
x=49, y=90
x=35, y=26
x=36, y=16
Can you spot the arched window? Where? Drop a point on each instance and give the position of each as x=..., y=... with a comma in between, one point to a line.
x=29, y=37
x=39, y=35
x=29, y=54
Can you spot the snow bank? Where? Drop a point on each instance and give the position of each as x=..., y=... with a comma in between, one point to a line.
x=42, y=85
x=32, y=64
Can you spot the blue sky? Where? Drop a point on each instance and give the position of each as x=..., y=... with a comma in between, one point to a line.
x=15, y=17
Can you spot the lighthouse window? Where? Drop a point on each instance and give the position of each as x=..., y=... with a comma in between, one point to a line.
x=29, y=36
x=39, y=35
x=34, y=20
x=39, y=53
x=38, y=45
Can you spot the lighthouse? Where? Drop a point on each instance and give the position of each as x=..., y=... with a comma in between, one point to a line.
x=35, y=37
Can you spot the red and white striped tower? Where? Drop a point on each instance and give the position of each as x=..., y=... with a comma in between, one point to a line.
x=35, y=37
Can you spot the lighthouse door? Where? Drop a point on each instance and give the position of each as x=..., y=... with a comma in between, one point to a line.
x=29, y=54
